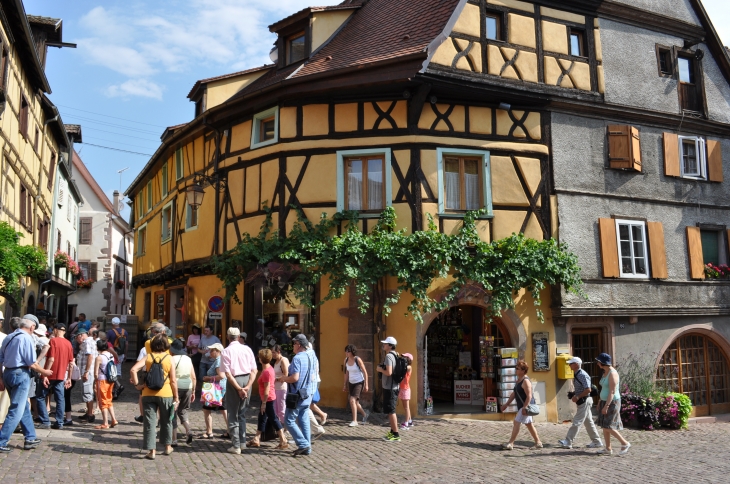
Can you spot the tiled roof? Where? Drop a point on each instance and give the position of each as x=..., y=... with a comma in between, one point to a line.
x=347, y=5
x=226, y=76
x=171, y=129
x=37, y=19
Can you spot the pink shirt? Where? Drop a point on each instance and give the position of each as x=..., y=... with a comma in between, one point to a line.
x=268, y=375
x=237, y=359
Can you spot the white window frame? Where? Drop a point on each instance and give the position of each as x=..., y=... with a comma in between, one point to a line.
x=256, y=128
x=188, y=218
x=139, y=247
x=149, y=196
x=632, y=275
x=388, y=177
x=165, y=180
x=169, y=205
x=179, y=164
x=442, y=153
x=701, y=151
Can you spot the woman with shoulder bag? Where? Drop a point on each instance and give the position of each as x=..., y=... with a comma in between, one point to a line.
x=280, y=364
x=356, y=381
x=525, y=407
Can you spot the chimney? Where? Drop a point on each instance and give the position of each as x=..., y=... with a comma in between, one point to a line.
x=116, y=201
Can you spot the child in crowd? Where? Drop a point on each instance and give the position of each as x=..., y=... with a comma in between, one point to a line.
x=405, y=393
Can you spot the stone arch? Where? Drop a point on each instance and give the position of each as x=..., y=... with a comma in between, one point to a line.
x=702, y=329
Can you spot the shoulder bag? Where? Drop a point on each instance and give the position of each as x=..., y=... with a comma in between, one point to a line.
x=532, y=408
x=293, y=399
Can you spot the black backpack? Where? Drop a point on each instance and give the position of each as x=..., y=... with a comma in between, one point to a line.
x=400, y=369
x=156, y=378
x=120, y=344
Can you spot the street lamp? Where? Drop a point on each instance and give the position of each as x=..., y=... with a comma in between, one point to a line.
x=194, y=194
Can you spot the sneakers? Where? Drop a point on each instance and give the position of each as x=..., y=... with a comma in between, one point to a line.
x=565, y=444
x=318, y=435
x=139, y=419
x=410, y=424
x=31, y=444
x=68, y=423
x=173, y=443
x=302, y=451
x=391, y=437
x=595, y=445
x=352, y=424
x=404, y=426
x=42, y=426
x=625, y=449
x=5, y=449
x=234, y=450
x=605, y=452
x=365, y=418
x=91, y=419
x=189, y=440
x=57, y=426
x=84, y=417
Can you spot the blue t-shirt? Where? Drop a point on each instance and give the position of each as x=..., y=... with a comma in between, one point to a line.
x=301, y=364
x=84, y=324
x=17, y=350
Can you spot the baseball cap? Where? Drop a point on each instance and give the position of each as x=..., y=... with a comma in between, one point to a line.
x=233, y=331
x=407, y=355
x=60, y=326
x=41, y=330
x=216, y=346
x=82, y=331
x=243, y=334
x=301, y=339
x=575, y=359
x=116, y=321
x=390, y=340
x=31, y=317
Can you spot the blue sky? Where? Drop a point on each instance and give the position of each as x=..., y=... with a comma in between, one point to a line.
x=137, y=60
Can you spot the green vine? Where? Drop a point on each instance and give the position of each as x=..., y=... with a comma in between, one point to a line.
x=18, y=260
x=416, y=260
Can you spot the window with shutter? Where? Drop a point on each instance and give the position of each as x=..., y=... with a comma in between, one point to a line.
x=694, y=251
x=632, y=248
x=609, y=247
x=68, y=207
x=92, y=271
x=85, y=237
x=714, y=161
x=22, y=209
x=58, y=241
x=51, y=170
x=657, y=250
x=624, y=147
x=164, y=180
x=61, y=192
x=29, y=214
x=671, y=154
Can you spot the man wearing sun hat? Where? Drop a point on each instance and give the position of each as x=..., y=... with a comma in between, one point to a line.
x=581, y=396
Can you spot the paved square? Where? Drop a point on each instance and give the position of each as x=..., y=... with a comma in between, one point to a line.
x=433, y=451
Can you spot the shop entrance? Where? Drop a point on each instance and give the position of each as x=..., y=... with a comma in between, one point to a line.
x=460, y=348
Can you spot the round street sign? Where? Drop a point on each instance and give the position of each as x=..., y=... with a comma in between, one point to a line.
x=216, y=304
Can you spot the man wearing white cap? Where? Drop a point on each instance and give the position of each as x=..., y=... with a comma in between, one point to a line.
x=390, y=388
x=118, y=337
x=581, y=396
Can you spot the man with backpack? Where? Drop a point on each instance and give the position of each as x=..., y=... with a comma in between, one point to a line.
x=582, y=397
x=118, y=337
x=393, y=370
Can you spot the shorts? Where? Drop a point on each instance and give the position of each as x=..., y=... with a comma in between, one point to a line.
x=390, y=400
x=404, y=393
x=88, y=390
x=612, y=419
x=522, y=418
x=104, y=394
x=356, y=389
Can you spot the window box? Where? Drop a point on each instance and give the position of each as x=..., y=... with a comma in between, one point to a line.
x=464, y=181
x=355, y=166
x=265, y=129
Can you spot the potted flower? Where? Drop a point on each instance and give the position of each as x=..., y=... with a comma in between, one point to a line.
x=61, y=258
x=713, y=271
x=84, y=283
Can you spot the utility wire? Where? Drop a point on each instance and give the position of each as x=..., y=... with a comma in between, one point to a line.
x=104, y=123
x=114, y=117
x=117, y=142
x=156, y=140
x=117, y=149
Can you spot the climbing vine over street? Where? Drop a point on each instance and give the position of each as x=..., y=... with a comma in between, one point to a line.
x=18, y=260
x=502, y=267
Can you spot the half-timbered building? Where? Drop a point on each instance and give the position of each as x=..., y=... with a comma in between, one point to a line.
x=435, y=108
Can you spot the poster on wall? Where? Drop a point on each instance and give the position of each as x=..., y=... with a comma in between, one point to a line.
x=477, y=392
x=540, y=352
x=462, y=392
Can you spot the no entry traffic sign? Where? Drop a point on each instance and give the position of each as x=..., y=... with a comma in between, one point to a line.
x=216, y=304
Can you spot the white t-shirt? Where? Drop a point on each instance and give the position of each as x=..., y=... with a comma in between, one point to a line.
x=183, y=370
x=354, y=373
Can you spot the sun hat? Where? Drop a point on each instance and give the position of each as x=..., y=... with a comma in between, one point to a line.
x=177, y=348
x=215, y=346
x=604, y=359
x=301, y=339
x=575, y=359
x=390, y=340
x=116, y=321
x=41, y=330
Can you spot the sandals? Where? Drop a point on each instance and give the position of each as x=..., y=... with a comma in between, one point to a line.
x=252, y=443
x=537, y=446
x=113, y=424
x=101, y=427
x=282, y=446
x=506, y=446
x=206, y=436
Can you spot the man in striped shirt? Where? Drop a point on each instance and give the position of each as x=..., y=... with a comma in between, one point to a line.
x=581, y=396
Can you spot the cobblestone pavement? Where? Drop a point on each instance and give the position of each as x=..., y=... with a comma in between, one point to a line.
x=433, y=451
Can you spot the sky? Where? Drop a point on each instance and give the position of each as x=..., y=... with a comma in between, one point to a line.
x=137, y=60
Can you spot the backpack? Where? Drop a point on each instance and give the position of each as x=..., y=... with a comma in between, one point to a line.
x=120, y=344
x=400, y=369
x=156, y=378
x=111, y=371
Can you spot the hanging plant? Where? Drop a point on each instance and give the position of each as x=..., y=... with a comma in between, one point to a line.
x=416, y=260
x=84, y=283
x=18, y=260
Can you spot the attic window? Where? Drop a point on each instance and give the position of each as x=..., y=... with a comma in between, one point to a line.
x=576, y=43
x=493, y=23
x=295, y=48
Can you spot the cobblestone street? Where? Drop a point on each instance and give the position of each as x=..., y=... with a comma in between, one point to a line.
x=434, y=450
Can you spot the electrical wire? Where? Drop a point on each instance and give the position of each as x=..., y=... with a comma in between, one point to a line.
x=104, y=123
x=117, y=142
x=117, y=149
x=113, y=117
x=156, y=140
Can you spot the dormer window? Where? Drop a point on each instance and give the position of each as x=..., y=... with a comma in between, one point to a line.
x=295, y=48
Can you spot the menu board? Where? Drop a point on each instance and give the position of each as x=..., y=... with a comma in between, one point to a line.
x=540, y=352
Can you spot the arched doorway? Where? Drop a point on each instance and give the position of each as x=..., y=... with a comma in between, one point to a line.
x=456, y=353
x=30, y=309
x=696, y=366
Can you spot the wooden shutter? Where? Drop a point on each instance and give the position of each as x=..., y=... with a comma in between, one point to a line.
x=85, y=236
x=23, y=121
x=22, y=209
x=29, y=215
x=609, y=247
x=671, y=154
x=624, y=147
x=92, y=271
x=694, y=251
x=714, y=161
x=657, y=251
x=51, y=170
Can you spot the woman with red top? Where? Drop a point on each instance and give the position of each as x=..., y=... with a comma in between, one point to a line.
x=405, y=393
x=268, y=396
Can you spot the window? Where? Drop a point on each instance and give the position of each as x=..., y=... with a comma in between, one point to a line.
x=142, y=240
x=200, y=106
x=76, y=216
x=23, y=120
x=23, y=210
x=364, y=188
x=296, y=48
x=68, y=247
x=664, y=59
x=576, y=43
x=58, y=240
x=88, y=271
x=493, y=24
x=632, y=248
x=364, y=181
x=167, y=214
x=690, y=93
x=265, y=128
x=51, y=170
x=69, y=209
x=179, y=172
x=149, y=195
x=43, y=233
x=164, y=180
x=85, y=235
x=692, y=157
x=713, y=246
x=191, y=217
x=686, y=70
x=464, y=180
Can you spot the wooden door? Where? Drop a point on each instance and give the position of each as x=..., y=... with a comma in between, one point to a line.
x=586, y=345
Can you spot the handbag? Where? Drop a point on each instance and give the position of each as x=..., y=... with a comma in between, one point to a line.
x=212, y=394
x=76, y=373
x=292, y=399
x=532, y=408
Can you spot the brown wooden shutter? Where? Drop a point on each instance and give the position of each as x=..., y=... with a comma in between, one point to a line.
x=694, y=251
x=714, y=161
x=51, y=170
x=92, y=271
x=671, y=154
x=23, y=200
x=624, y=147
x=609, y=247
x=85, y=236
x=657, y=251
x=29, y=215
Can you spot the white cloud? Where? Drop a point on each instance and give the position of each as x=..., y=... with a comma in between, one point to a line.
x=148, y=39
x=136, y=87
